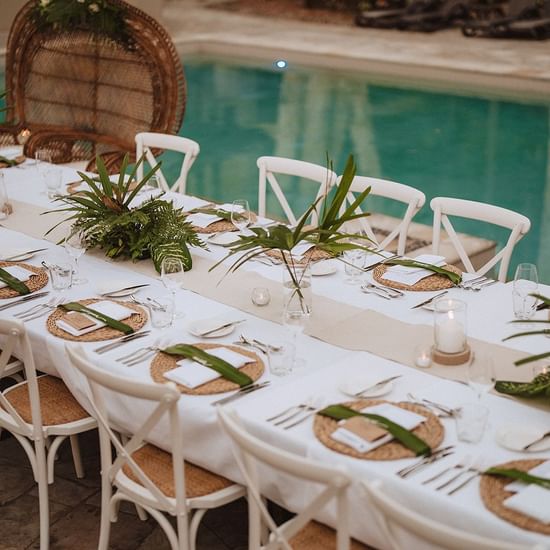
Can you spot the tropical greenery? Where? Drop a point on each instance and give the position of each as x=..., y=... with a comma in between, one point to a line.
x=155, y=229
x=454, y=277
x=96, y=15
x=327, y=235
x=540, y=385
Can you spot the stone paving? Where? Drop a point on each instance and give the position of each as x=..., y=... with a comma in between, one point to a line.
x=75, y=508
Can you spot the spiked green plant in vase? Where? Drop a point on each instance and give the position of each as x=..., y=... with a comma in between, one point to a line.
x=103, y=215
x=327, y=236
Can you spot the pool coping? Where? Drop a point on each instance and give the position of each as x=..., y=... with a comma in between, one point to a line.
x=443, y=60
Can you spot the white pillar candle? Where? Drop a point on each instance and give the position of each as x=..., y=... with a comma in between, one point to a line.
x=450, y=336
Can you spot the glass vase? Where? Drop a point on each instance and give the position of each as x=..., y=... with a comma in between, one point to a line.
x=297, y=288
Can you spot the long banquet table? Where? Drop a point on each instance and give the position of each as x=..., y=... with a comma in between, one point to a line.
x=351, y=333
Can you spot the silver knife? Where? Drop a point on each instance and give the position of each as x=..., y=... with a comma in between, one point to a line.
x=221, y=327
x=242, y=392
x=23, y=300
x=425, y=302
x=121, y=341
x=21, y=254
x=113, y=292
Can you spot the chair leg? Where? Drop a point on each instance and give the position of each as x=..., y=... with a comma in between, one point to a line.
x=43, y=503
x=77, y=459
x=194, y=527
x=105, y=520
x=142, y=514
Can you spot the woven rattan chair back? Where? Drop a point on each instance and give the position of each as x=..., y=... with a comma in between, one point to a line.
x=82, y=93
x=251, y=451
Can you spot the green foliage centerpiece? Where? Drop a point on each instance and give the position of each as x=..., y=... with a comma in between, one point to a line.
x=328, y=236
x=154, y=229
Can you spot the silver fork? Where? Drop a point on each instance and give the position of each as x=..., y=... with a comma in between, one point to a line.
x=466, y=285
x=35, y=308
x=466, y=466
x=391, y=292
x=45, y=308
x=136, y=353
x=447, y=411
x=151, y=350
x=462, y=463
x=425, y=461
x=368, y=290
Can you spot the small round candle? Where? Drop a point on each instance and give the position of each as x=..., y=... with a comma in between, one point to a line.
x=423, y=357
x=261, y=296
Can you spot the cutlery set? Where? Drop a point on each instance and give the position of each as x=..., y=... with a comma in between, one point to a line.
x=468, y=470
x=39, y=310
x=295, y=415
x=425, y=461
x=27, y=298
x=443, y=410
x=245, y=390
x=21, y=255
x=253, y=343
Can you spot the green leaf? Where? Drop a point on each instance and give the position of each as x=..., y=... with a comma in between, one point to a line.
x=454, y=277
x=540, y=385
x=9, y=162
x=404, y=436
x=173, y=250
x=109, y=321
x=229, y=372
x=13, y=282
x=532, y=358
x=514, y=473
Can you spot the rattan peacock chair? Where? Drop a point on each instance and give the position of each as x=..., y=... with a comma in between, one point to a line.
x=81, y=92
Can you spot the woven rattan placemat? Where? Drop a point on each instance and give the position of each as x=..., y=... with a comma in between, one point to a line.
x=221, y=226
x=35, y=282
x=311, y=255
x=136, y=321
x=433, y=282
x=493, y=493
x=431, y=431
x=163, y=362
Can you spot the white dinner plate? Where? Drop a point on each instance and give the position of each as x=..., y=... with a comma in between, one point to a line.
x=324, y=267
x=16, y=254
x=351, y=387
x=196, y=328
x=516, y=436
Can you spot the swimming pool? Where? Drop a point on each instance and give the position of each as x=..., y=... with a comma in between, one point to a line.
x=458, y=145
x=446, y=144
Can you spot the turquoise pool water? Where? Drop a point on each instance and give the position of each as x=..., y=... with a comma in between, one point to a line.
x=475, y=148
x=458, y=145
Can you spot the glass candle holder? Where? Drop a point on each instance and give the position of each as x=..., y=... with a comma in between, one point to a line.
x=260, y=296
x=450, y=331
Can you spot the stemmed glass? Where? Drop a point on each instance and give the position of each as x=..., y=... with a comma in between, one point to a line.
x=240, y=214
x=171, y=274
x=526, y=282
x=75, y=245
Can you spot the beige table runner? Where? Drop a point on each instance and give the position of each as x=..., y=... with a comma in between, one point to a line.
x=333, y=322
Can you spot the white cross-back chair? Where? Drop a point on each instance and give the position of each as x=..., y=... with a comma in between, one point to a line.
x=270, y=166
x=38, y=411
x=145, y=141
x=413, y=198
x=153, y=479
x=394, y=517
x=299, y=532
x=519, y=225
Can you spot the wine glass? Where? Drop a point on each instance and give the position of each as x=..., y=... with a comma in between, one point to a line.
x=481, y=374
x=240, y=214
x=75, y=245
x=171, y=274
x=526, y=282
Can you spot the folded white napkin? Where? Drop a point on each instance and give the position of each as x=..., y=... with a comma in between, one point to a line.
x=192, y=374
x=411, y=275
x=11, y=152
x=375, y=258
x=203, y=220
x=230, y=207
x=115, y=311
x=542, y=470
x=532, y=501
x=300, y=249
x=18, y=272
x=185, y=201
x=407, y=419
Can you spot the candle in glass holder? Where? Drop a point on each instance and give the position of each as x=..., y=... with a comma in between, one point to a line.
x=450, y=325
x=423, y=357
x=261, y=296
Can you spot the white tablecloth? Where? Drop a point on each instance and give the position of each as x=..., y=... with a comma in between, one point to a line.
x=326, y=367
